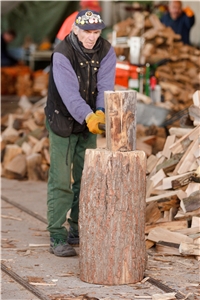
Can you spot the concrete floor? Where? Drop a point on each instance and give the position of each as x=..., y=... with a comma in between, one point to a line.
x=60, y=276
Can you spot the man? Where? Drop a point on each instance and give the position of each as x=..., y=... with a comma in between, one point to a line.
x=6, y=59
x=82, y=68
x=180, y=20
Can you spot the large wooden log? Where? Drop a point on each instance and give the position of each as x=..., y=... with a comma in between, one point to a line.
x=112, y=217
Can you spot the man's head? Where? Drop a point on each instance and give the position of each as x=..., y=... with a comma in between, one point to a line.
x=175, y=9
x=87, y=27
x=9, y=35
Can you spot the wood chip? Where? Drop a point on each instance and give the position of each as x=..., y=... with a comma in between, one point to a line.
x=38, y=245
x=10, y=217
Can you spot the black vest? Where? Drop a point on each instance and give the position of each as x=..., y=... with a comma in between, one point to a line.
x=86, y=71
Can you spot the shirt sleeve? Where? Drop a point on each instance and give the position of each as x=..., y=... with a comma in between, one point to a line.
x=68, y=88
x=189, y=21
x=106, y=76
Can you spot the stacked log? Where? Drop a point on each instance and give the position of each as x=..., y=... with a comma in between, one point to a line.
x=40, y=82
x=24, y=84
x=179, y=75
x=194, y=109
x=24, y=143
x=21, y=80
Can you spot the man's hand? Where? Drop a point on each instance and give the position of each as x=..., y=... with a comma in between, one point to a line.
x=101, y=115
x=187, y=10
x=93, y=121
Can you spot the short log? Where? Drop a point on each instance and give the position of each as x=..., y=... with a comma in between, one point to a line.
x=112, y=217
x=120, y=107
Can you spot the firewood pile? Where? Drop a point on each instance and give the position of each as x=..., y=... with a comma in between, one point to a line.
x=24, y=143
x=173, y=193
x=21, y=80
x=179, y=76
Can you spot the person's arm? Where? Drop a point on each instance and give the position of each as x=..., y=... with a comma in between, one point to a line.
x=68, y=87
x=189, y=17
x=106, y=76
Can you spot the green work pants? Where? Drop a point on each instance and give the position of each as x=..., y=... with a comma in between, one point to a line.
x=66, y=159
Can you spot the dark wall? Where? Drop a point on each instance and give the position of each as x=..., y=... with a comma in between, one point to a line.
x=37, y=19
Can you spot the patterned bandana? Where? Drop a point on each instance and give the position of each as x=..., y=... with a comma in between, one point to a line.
x=89, y=20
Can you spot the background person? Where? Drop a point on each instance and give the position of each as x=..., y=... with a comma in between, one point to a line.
x=82, y=69
x=6, y=58
x=179, y=19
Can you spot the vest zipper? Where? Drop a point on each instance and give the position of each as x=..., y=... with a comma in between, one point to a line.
x=88, y=82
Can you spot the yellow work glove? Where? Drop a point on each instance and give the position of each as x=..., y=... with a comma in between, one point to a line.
x=92, y=123
x=101, y=114
x=187, y=10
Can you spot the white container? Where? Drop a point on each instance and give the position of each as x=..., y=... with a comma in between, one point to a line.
x=135, y=46
x=155, y=94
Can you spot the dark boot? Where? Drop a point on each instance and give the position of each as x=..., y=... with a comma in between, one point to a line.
x=73, y=237
x=60, y=247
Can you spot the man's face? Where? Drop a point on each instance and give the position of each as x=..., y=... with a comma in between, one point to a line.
x=8, y=37
x=175, y=9
x=87, y=37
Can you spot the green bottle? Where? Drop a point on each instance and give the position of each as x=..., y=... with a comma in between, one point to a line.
x=147, y=80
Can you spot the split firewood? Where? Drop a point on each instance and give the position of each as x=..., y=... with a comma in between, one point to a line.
x=181, y=180
x=189, y=249
x=17, y=168
x=166, y=200
x=166, y=296
x=161, y=234
x=191, y=203
x=167, y=248
x=172, y=226
x=34, y=167
x=11, y=151
x=169, y=165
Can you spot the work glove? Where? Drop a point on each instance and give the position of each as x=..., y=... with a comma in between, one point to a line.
x=92, y=121
x=187, y=10
x=101, y=114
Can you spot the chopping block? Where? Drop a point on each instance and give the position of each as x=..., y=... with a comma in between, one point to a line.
x=112, y=200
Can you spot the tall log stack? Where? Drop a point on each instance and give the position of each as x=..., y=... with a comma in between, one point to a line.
x=179, y=77
x=173, y=192
x=24, y=142
x=112, y=200
x=21, y=80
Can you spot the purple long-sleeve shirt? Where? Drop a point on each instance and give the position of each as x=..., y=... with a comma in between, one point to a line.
x=67, y=83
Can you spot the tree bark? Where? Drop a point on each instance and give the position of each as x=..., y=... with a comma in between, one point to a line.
x=112, y=217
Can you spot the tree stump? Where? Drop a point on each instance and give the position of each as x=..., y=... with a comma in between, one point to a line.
x=112, y=200
x=112, y=217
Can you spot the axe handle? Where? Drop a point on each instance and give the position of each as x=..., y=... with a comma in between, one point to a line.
x=102, y=126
